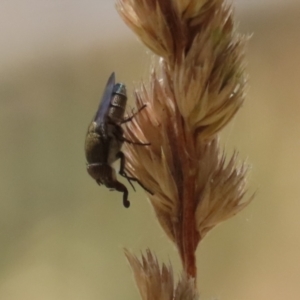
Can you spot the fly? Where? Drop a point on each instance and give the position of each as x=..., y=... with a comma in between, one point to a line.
x=105, y=138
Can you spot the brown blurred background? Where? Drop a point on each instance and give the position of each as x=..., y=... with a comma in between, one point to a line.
x=61, y=236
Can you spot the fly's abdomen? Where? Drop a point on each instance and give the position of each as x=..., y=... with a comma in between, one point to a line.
x=118, y=103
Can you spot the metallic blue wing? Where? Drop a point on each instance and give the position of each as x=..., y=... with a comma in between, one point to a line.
x=105, y=101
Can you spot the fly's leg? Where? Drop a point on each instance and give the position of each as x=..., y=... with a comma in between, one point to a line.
x=107, y=176
x=133, y=115
x=118, y=133
x=121, y=188
x=121, y=155
x=118, y=186
x=123, y=173
x=134, y=143
x=122, y=138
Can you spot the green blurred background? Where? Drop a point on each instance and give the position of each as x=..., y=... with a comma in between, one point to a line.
x=62, y=236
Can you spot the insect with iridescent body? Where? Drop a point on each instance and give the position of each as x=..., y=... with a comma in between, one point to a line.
x=105, y=138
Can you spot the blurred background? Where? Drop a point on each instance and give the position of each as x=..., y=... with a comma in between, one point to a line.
x=62, y=236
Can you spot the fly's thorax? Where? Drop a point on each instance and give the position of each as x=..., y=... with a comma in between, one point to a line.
x=118, y=103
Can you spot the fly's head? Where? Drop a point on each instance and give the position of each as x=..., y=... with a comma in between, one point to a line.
x=101, y=173
x=105, y=174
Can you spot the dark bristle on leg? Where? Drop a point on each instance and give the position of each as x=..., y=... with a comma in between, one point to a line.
x=133, y=115
x=123, y=173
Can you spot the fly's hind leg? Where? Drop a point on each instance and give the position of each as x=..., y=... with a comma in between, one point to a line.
x=123, y=173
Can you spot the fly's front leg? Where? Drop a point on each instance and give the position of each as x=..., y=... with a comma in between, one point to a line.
x=133, y=115
x=134, y=143
x=118, y=133
x=123, y=173
x=122, y=169
x=120, y=188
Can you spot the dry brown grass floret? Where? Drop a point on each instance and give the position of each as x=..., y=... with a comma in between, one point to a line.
x=195, y=88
